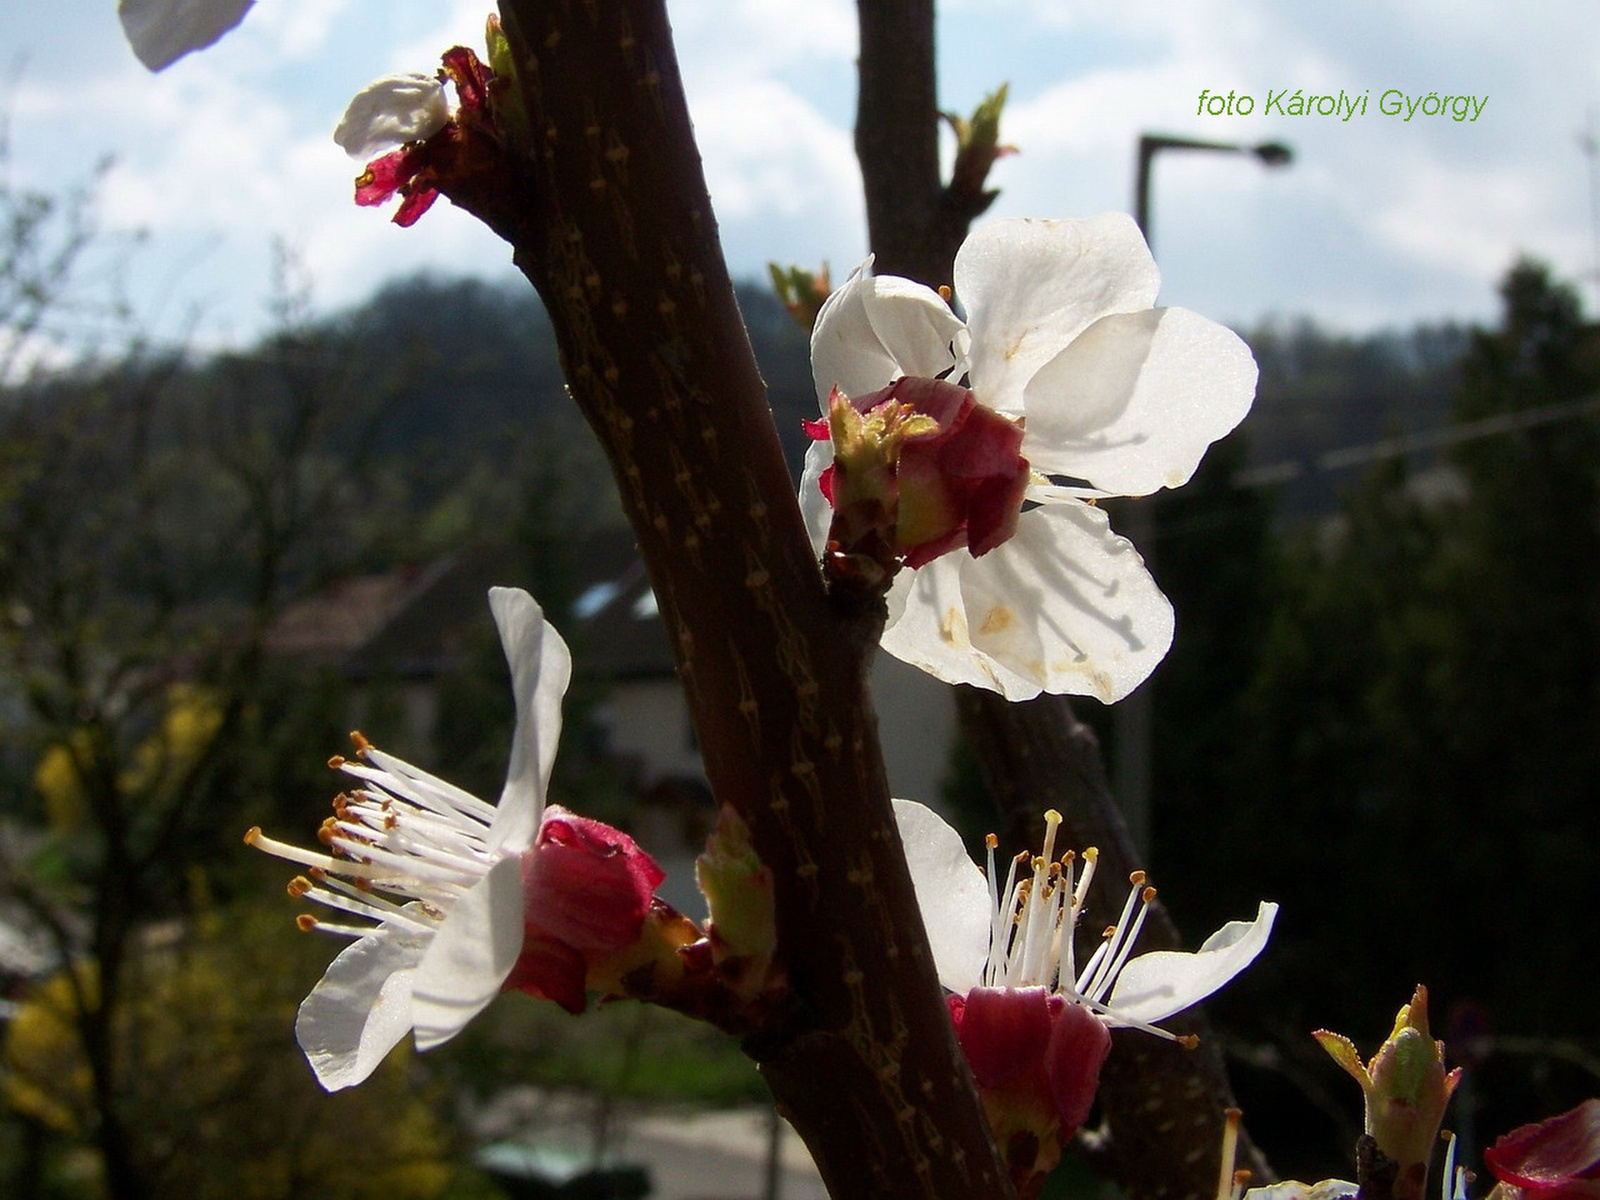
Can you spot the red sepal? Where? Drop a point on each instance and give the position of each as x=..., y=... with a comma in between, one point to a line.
x=587, y=884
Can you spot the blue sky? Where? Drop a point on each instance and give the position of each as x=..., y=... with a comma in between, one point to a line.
x=1379, y=221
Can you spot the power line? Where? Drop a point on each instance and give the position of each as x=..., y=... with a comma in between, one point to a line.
x=1408, y=444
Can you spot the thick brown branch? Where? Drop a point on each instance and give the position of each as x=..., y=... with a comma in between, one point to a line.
x=1163, y=1105
x=612, y=224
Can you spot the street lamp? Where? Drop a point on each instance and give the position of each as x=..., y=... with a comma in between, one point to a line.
x=1131, y=719
x=1272, y=154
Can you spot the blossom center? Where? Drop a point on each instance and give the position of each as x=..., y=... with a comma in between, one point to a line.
x=402, y=848
x=1033, y=925
x=920, y=469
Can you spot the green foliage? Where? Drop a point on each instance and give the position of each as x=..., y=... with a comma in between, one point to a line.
x=1401, y=748
x=225, y=1105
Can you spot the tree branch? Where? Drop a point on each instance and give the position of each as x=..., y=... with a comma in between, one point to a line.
x=1163, y=1106
x=611, y=222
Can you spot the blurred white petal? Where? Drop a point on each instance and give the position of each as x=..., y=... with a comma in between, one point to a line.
x=163, y=31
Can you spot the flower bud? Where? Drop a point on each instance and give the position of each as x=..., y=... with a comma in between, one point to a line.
x=920, y=469
x=743, y=927
x=1406, y=1088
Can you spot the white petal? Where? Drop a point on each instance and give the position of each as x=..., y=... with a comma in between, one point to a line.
x=814, y=506
x=360, y=1009
x=1133, y=403
x=541, y=668
x=1065, y=606
x=163, y=31
x=391, y=111
x=1029, y=287
x=951, y=892
x=470, y=956
x=1156, y=985
x=875, y=329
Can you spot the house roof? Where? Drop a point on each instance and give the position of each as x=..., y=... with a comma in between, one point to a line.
x=415, y=621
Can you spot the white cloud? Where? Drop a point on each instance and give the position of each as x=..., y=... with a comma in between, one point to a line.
x=1376, y=221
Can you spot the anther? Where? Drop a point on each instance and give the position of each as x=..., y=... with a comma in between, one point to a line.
x=1148, y=895
x=299, y=886
x=1188, y=1040
x=305, y=922
x=991, y=841
x=1137, y=878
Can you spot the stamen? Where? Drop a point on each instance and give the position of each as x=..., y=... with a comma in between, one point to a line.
x=1453, y=1186
x=388, y=914
x=461, y=799
x=1120, y=945
x=304, y=857
x=1230, y=1151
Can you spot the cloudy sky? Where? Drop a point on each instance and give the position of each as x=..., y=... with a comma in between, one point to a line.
x=1379, y=221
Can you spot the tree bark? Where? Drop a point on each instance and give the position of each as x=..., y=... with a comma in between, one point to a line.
x=1163, y=1106
x=610, y=220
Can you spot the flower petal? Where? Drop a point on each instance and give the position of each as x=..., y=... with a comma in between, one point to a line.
x=1133, y=402
x=1030, y=287
x=1156, y=985
x=876, y=329
x=163, y=31
x=471, y=955
x=391, y=111
x=541, y=668
x=1065, y=606
x=360, y=1009
x=951, y=892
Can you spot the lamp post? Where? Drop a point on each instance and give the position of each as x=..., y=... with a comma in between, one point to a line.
x=1131, y=719
x=1272, y=154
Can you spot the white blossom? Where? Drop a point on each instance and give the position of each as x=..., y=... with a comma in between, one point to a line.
x=1117, y=399
x=1020, y=932
x=438, y=870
